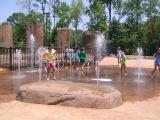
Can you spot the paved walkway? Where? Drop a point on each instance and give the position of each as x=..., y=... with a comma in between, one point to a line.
x=141, y=110
x=131, y=63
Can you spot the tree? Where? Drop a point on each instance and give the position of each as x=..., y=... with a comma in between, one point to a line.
x=19, y=20
x=117, y=35
x=26, y=4
x=151, y=8
x=76, y=35
x=53, y=3
x=45, y=6
x=18, y=29
x=110, y=4
x=152, y=35
x=62, y=10
x=133, y=10
x=15, y=18
x=98, y=18
x=77, y=8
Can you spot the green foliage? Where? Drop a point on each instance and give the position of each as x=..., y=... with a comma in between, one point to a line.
x=129, y=38
x=15, y=18
x=76, y=11
x=19, y=20
x=116, y=35
x=151, y=7
x=133, y=11
x=112, y=4
x=152, y=35
x=140, y=26
x=98, y=18
x=77, y=8
x=62, y=10
x=68, y=14
x=76, y=38
x=54, y=35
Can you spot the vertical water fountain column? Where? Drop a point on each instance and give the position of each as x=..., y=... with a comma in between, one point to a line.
x=139, y=62
x=17, y=77
x=18, y=62
x=100, y=52
x=32, y=46
x=40, y=53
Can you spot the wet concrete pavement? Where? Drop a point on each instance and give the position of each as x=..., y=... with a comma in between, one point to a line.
x=132, y=88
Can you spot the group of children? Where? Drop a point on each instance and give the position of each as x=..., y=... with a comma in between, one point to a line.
x=122, y=60
x=80, y=59
x=49, y=57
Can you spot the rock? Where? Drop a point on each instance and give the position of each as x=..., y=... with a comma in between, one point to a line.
x=70, y=94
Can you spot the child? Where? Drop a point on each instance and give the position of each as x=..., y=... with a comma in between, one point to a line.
x=119, y=54
x=50, y=56
x=123, y=63
x=156, y=62
x=82, y=57
x=77, y=60
x=66, y=57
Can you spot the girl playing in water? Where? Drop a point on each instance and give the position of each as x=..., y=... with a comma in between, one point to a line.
x=119, y=54
x=123, y=63
x=156, y=62
x=50, y=56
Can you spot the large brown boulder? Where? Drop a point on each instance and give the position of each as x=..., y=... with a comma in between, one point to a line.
x=70, y=94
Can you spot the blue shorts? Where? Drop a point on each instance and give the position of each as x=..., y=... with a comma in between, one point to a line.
x=157, y=62
x=66, y=57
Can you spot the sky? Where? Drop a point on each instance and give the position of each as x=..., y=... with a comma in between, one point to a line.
x=8, y=7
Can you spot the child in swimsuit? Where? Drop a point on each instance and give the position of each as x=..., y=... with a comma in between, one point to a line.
x=66, y=57
x=156, y=62
x=50, y=56
x=77, y=59
x=123, y=63
x=119, y=51
x=82, y=57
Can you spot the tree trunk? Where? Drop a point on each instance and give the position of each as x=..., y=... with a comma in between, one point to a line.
x=76, y=37
x=110, y=18
x=110, y=12
x=29, y=7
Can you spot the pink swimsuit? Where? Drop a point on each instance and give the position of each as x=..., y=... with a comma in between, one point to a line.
x=50, y=66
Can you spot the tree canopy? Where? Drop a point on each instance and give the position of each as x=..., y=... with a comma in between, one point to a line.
x=126, y=23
